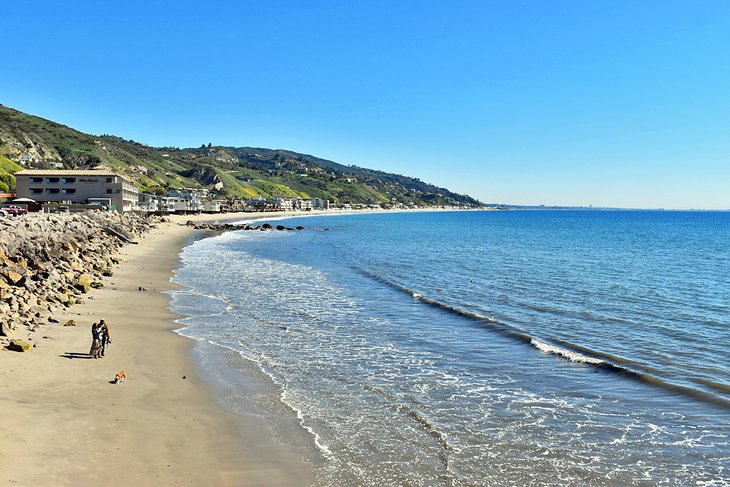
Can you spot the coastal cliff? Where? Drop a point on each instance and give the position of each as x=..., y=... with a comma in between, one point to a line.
x=49, y=262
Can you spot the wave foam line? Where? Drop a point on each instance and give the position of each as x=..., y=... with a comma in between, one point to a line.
x=568, y=351
x=562, y=352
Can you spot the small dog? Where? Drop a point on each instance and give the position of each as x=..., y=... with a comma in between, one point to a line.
x=120, y=377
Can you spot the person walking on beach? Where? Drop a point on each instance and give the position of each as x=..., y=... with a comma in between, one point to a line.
x=96, y=341
x=104, y=335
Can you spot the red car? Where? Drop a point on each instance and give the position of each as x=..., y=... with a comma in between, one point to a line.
x=13, y=210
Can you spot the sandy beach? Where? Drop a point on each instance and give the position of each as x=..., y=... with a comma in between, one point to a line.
x=65, y=423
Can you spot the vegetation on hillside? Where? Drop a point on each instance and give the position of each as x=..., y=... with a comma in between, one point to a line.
x=7, y=169
x=245, y=172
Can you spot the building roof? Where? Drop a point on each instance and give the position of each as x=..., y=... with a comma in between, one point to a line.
x=67, y=172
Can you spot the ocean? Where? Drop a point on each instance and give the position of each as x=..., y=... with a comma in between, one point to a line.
x=481, y=347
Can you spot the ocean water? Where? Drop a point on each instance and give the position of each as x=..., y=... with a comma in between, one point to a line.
x=484, y=348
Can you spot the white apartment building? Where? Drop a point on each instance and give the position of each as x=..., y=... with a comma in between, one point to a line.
x=78, y=186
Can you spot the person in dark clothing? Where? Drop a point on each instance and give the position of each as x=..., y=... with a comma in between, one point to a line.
x=106, y=339
x=96, y=341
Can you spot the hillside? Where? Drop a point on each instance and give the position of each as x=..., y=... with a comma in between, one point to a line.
x=27, y=141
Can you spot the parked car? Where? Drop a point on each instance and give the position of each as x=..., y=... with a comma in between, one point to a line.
x=3, y=213
x=14, y=210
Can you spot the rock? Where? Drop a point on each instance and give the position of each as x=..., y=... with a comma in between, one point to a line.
x=51, y=319
x=5, y=289
x=70, y=323
x=107, y=272
x=12, y=277
x=266, y=226
x=300, y=227
x=18, y=346
x=5, y=328
x=83, y=283
x=36, y=311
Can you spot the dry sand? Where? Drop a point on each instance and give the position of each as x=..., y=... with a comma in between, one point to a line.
x=63, y=423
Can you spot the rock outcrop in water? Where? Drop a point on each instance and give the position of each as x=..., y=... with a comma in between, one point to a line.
x=48, y=262
x=223, y=227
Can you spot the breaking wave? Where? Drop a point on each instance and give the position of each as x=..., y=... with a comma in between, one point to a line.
x=562, y=349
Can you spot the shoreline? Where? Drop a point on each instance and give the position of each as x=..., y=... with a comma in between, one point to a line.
x=65, y=423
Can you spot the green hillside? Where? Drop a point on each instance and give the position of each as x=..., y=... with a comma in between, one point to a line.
x=27, y=141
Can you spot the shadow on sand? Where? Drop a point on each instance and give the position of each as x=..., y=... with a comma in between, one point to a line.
x=76, y=355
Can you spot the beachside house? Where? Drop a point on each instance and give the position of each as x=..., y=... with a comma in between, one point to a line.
x=212, y=206
x=149, y=203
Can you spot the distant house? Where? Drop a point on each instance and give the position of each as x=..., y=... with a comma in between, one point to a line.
x=320, y=204
x=78, y=186
x=149, y=202
x=283, y=204
x=186, y=200
x=212, y=206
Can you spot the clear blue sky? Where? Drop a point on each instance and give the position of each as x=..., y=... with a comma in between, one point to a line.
x=609, y=103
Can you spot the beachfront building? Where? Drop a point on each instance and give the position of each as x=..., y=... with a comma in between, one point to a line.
x=302, y=204
x=96, y=186
x=320, y=204
x=283, y=204
x=212, y=206
x=149, y=203
x=187, y=200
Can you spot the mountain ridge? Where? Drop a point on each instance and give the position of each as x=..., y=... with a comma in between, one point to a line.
x=29, y=141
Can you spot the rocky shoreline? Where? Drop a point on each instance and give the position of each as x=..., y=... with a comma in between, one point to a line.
x=50, y=262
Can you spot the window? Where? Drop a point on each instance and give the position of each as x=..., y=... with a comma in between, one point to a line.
x=36, y=190
x=108, y=191
x=52, y=190
x=36, y=180
x=68, y=190
x=68, y=180
x=109, y=180
x=52, y=180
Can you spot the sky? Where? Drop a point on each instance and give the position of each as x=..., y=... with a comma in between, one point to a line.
x=603, y=103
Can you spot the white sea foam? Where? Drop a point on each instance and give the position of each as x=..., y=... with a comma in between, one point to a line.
x=565, y=353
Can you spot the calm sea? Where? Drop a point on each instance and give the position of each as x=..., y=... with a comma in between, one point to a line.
x=484, y=348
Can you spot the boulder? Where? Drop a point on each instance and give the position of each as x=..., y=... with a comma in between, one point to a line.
x=16, y=345
x=4, y=289
x=5, y=328
x=83, y=283
x=70, y=323
x=12, y=277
